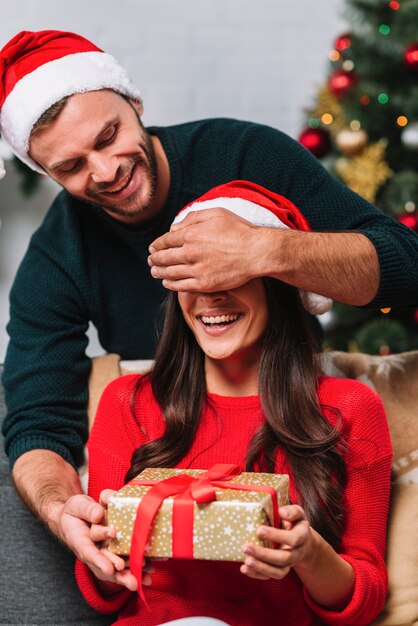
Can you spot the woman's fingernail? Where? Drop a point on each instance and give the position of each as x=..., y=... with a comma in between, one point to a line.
x=262, y=533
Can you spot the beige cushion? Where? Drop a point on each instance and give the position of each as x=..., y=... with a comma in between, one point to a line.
x=401, y=608
x=104, y=369
x=395, y=378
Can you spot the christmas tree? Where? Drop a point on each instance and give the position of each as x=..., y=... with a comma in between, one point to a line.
x=364, y=126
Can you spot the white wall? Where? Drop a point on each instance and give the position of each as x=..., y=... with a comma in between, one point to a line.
x=259, y=60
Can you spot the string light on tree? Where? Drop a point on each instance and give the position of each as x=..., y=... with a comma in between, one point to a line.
x=411, y=56
x=364, y=99
x=384, y=29
x=409, y=136
x=328, y=103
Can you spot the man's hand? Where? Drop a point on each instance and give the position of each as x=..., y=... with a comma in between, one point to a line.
x=215, y=250
x=211, y=250
x=78, y=515
x=118, y=574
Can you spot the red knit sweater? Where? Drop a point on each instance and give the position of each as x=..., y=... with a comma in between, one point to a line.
x=218, y=589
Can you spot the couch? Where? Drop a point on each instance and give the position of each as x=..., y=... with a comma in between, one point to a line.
x=36, y=580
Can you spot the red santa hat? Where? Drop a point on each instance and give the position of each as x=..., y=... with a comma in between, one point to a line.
x=262, y=208
x=37, y=69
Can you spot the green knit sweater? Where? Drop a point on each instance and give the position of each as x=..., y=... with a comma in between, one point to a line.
x=82, y=265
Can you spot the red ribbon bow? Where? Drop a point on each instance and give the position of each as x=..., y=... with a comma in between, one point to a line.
x=186, y=490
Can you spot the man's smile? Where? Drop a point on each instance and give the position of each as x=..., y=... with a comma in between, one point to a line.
x=123, y=182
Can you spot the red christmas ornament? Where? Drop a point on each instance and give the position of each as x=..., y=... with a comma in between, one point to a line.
x=340, y=82
x=343, y=42
x=411, y=55
x=410, y=220
x=316, y=140
x=416, y=316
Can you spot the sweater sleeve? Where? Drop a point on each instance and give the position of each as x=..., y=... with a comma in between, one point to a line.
x=280, y=163
x=366, y=509
x=108, y=465
x=46, y=367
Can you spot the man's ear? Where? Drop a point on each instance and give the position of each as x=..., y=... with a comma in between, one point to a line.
x=138, y=106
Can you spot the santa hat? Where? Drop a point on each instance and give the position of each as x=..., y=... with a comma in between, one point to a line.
x=37, y=69
x=262, y=208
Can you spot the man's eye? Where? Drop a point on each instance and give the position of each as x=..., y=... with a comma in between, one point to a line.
x=108, y=136
x=70, y=167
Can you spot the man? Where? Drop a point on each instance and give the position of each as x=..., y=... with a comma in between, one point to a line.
x=68, y=109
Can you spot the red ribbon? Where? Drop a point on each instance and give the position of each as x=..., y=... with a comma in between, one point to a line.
x=186, y=490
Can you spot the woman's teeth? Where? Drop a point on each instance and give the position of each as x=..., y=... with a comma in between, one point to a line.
x=220, y=319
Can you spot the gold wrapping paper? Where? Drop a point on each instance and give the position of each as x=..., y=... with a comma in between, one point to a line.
x=220, y=527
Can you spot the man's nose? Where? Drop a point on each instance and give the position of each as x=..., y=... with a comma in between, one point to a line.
x=103, y=167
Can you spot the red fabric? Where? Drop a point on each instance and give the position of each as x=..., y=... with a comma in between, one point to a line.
x=280, y=206
x=218, y=589
x=29, y=50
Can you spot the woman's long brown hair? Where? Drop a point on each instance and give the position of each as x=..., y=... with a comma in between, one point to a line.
x=288, y=379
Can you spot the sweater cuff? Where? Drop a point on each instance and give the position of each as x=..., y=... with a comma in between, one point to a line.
x=395, y=249
x=87, y=584
x=365, y=604
x=26, y=443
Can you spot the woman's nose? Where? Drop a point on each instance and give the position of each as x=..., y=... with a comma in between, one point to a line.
x=214, y=296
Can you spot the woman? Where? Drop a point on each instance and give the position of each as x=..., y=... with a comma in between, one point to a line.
x=236, y=381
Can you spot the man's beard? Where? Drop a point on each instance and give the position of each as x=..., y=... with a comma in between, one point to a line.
x=148, y=162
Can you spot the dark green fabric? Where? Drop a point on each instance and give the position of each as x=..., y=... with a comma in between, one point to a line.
x=83, y=265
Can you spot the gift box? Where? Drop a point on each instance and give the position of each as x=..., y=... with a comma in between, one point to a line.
x=195, y=514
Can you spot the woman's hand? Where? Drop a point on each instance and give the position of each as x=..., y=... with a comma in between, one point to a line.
x=118, y=573
x=294, y=546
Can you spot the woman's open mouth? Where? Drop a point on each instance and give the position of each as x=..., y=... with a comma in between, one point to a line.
x=219, y=321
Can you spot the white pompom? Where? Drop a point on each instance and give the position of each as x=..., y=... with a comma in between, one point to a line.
x=314, y=303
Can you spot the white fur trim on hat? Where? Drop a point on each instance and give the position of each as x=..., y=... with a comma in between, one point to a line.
x=259, y=216
x=246, y=209
x=34, y=93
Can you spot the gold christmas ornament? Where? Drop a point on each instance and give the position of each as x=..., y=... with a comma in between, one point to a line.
x=327, y=103
x=350, y=141
x=366, y=172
